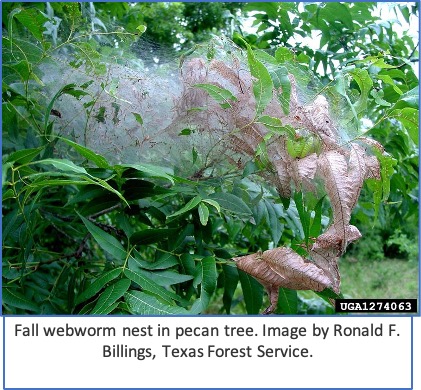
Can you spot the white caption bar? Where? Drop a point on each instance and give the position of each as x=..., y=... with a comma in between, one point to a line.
x=195, y=352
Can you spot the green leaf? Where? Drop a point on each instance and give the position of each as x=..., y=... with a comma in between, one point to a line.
x=263, y=85
x=169, y=277
x=69, y=89
x=343, y=89
x=275, y=225
x=387, y=164
x=87, y=179
x=33, y=52
x=302, y=147
x=410, y=98
x=231, y=279
x=221, y=95
x=203, y=214
x=16, y=299
x=208, y=275
x=304, y=58
x=49, y=183
x=304, y=215
x=141, y=28
x=22, y=68
x=194, y=155
x=86, y=54
x=288, y=301
x=24, y=156
x=150, y=236
x=98, y=284
x=388, y=80
x=283, y=54
x=375, y=187
x=409, y=118
x=97, y=159
x=164, y=278
x=265, y=58
x=270, y=122
x=281, y=81
x=87, y=308
x=379, y=63
x=328, y=294
x=179, y=240
x=185, y=132
x=9, y=194
x=262, y=158
x=141, y=303
x=378, y=98
x=316, y=223
x=213, y=203
x=34, y=21
x=260, y=212
x=365, y=83
x=335, y=12
x=63, y=165
x=106, y=241
x=231, y=203
x=138, y=118
x=190, y=205
x=6, y=167
x=268, y=8
x=250, y=168
x=252, y=292
x=110, y=295
x=150, y=286
x=152, y=170
x=166, y=260
x=187, y=264
x=284, y=22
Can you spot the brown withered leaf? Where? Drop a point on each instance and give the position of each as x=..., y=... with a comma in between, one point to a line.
x=373, y=143
x=372, y=163
x=282, y=267
x=333, y=168
x=282, y=172
x=306, y=168
x=326, y=250
x=357, y=172
x=317, y=116
x=343, y=180
x=373, y=168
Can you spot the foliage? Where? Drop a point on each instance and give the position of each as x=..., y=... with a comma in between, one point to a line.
x=405, y=246
x=84, y=235
x=377, y=279
x=354, y=35
x=168, y=25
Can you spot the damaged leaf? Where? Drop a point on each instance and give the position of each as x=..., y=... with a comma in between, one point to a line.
x=282, y=267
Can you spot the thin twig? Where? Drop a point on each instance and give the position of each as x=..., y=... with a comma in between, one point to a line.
x=413, y=51
x=76, y=254
x=105, y=211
